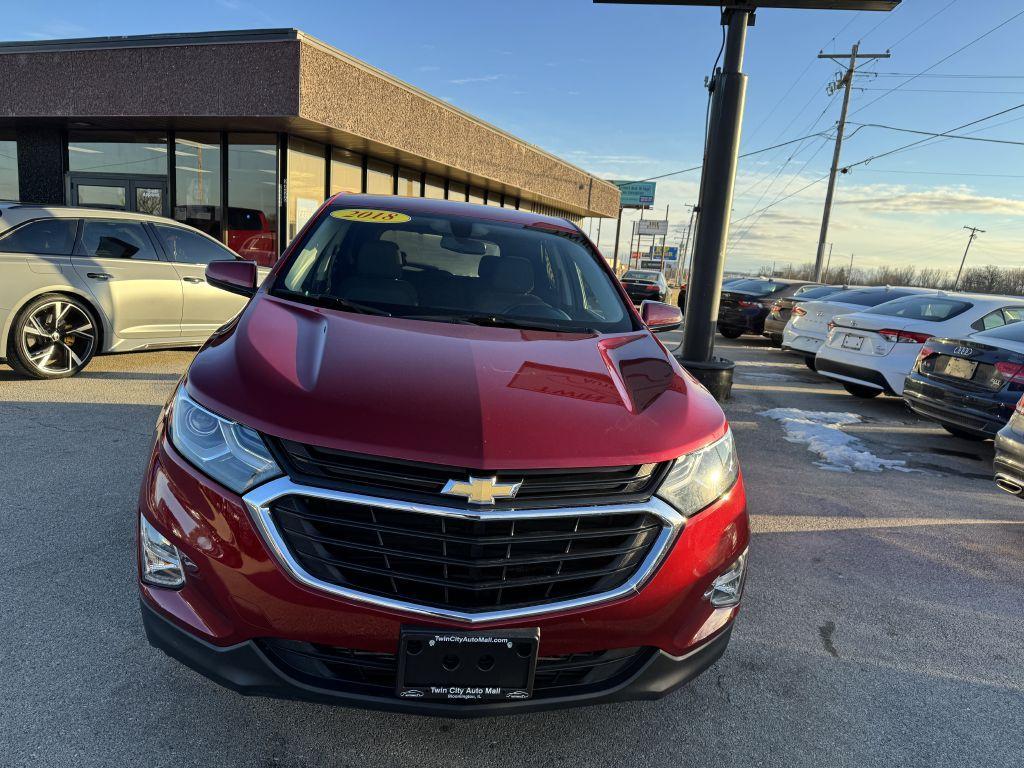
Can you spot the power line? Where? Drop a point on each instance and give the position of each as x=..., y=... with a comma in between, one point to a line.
x=949, y=77
x=944, y=59
x=946, y=90
x=920, y=26
x=946, y=135
x=746, y=154
x=781, y=200
x=847, y=168
x=946, y=173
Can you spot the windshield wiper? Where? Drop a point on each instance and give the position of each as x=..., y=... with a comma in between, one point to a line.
x=496, y=321
x=330, y=301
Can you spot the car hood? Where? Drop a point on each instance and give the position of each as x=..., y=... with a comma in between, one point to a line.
x=459, y=395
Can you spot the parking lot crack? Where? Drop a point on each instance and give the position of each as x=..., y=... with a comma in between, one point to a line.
x=825, y=632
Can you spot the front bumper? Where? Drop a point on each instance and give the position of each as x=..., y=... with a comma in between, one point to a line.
x=246, y=669
x=237, y=595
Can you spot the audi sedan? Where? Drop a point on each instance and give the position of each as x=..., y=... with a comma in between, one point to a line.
x=79, y=282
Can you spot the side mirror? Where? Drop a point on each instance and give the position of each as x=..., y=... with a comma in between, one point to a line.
x=660, y=317
x=233, y=276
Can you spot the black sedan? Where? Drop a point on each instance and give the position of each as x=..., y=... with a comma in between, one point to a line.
x=969, y=386
x=645, y=285
x=745, y=305
x=681, y=299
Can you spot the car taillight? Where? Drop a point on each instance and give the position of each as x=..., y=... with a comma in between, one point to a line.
x=799, y=311
x=831, y=326
x=1011, y=373
x=904, y=337
x=747, y=304
x=923, y=355
x=650, y=288
x=1020, y=406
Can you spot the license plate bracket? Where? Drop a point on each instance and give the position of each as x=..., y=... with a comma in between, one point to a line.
x=959, y=368
x=853, y=342
x=459, y=666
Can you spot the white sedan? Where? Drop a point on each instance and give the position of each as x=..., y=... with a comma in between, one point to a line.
x=809, y=324
x=872, y=352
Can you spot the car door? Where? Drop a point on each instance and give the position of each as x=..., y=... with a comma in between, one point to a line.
x=134, y=286
x=204, y=308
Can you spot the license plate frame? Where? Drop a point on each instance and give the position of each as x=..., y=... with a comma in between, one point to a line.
x=853, y=342
x=492, y=666
x=960, y=368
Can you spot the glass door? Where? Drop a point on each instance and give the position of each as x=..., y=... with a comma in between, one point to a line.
x=139, y=194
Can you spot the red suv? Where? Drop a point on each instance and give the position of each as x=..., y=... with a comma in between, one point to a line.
x=439, y=464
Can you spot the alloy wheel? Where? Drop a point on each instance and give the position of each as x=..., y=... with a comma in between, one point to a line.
x=58, y=337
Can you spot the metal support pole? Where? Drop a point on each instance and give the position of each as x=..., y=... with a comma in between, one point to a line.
x=719, y=179
x=615, y=255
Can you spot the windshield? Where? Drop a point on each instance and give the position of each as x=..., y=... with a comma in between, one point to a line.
x=450, y=268
x=922, y=308
x=869, y=297
x=757, y=287
x=635, y=274
x=816, y=292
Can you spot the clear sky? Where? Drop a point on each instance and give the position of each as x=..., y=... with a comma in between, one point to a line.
x=619, y=91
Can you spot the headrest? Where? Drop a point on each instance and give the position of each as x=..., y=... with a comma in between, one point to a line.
x=512, y=275
x=379, y=259
x=487, y=266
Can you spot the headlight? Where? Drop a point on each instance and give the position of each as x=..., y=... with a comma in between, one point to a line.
x=225, y=450
x=698, y=478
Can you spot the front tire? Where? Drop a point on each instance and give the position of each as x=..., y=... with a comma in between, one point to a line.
x=809, y=362
x=730, y=333
x=858, y=390
x=53, y=337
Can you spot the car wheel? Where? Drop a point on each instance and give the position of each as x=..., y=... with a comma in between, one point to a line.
x=964, y=434
x=730, y=333
x=809, y=362
x=53, y=337
x=860, y=391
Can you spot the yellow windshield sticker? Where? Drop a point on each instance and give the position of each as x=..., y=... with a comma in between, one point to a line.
x=371, y=215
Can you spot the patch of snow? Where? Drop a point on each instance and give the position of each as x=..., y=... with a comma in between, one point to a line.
x=822, y=432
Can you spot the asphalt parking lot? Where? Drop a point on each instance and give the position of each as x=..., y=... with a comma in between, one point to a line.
x=883, y=621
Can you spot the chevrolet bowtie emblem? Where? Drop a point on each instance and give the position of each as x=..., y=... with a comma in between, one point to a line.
x=481, y=490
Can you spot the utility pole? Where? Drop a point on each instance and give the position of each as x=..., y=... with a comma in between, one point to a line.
x=849, y=277
x=846, y=82
x=829, y=262
x=974, y=234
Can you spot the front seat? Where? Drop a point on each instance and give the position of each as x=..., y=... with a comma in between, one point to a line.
x=377, y=278
x=507, y=281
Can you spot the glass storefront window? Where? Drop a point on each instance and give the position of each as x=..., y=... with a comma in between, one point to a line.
x=136, y=152
x=8, y=168
x=252, y=196
x=307, y=181
x=197, y=181
x=380, y=178
x=476, y=195
x=346, y=171
x=433, y=187
x=409, y=182
x=457, y=191
x=508, y=202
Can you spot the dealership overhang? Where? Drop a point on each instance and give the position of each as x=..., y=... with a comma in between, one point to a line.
x=224, y=128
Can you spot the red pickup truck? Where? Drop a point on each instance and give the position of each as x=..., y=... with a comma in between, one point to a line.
x=439, y=464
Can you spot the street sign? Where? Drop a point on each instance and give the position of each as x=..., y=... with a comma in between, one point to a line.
x=649, y=227
x=669, y=253
x=636, y=194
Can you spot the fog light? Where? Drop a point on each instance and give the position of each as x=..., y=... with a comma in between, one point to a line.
x=727, y=589
x=161, y=560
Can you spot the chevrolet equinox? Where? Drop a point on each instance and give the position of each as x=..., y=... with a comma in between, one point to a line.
x=439, y=464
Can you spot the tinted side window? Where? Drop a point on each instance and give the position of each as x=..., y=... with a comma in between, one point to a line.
x=992, y=320
x=184, y=247
x=53, y=237
x=869, y=298
x=1013, y=314
x=114, y=239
